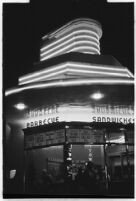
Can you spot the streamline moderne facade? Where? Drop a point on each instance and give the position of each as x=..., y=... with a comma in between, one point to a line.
x=76, y=106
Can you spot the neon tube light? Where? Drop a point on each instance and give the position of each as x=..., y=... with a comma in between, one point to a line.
x=67, y=70
x=83, y=65
x=77, y=21
x=73, y=27
x=44, y=76
x=70, y=64
x=57, y=67
x=55, y=49
x=73, y=39
x=125, y=70
x=74, y=50
x=73, y=44
x=78, y=24
x=111, y=70
x=131, y=75
x=71, y=83
x=70, y=35
x=64, y=49
x=84, y=48
x=96, y=72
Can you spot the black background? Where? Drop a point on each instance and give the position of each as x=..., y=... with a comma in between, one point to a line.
x=25, y=24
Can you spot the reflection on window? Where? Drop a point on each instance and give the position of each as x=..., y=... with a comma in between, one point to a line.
x=115, y=137
x=114, y=150
x=120, y=160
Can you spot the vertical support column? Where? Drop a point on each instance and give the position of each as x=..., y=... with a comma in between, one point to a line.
x=127, y=150
x=67, y=155
x=24, y=177
x=105, y=160
x=121, y=158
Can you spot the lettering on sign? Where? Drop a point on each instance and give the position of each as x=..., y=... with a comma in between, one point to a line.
x=98, y=113
x=84, y=136
x=42, y=122
x=44, y=139
x=42, y=111
x=113, y=119
x=118, y=110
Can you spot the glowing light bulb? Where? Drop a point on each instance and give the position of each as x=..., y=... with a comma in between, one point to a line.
x=97, y=96
x=20, y=106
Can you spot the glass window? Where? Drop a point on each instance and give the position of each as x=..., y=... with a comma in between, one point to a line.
x=130, y=136
x=115, y=137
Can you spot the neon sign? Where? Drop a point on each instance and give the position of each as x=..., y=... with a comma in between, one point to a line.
x=68, y=113
x=42, y=111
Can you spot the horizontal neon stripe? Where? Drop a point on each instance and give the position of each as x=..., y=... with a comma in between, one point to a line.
x=57, y=67
x=44, y=77
x=80, y=25
x=70, y=83
x=76, y=71
x=66, y=49
x=73, y=34
x=66, y=27
x=76, y=21
x=66, y=70
x=74, y=43
x=100, y=72
x=70, y=35
x=83, y=49
x=70, y=64
x=72, y=40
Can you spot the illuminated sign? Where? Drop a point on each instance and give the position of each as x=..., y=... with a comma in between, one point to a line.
x=50, y=114
x=41, y=112
x=68, y=113
x=86, y=136
x=45, y=139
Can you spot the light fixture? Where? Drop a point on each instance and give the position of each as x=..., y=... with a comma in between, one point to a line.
x=97, y=96
x=20, y=106
x=12, y=174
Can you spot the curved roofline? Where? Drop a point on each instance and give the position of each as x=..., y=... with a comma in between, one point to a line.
x=70, y=82
x=83, y=19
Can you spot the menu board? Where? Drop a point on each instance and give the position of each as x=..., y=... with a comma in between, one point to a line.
x=45, y=139
x=87, y=136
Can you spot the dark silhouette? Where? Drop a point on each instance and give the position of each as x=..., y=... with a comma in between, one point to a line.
x=90, y=179
x=47, y=182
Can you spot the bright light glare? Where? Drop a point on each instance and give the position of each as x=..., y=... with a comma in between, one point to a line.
x=97, y=96
x=20, y=106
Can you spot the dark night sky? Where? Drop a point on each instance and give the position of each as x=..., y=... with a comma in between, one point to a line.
x=25, y=24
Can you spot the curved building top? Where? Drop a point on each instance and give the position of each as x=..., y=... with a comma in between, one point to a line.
x=70, y=56
x=80, y=35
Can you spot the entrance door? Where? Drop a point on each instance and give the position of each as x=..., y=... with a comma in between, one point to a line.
x=83, y=154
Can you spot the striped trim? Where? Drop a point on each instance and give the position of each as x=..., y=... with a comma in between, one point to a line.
x=81, y=36
x=79, y=68
x=71, y=82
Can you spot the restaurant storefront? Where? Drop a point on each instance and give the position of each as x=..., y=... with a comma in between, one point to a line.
x=73, y=130
x=76, y=111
